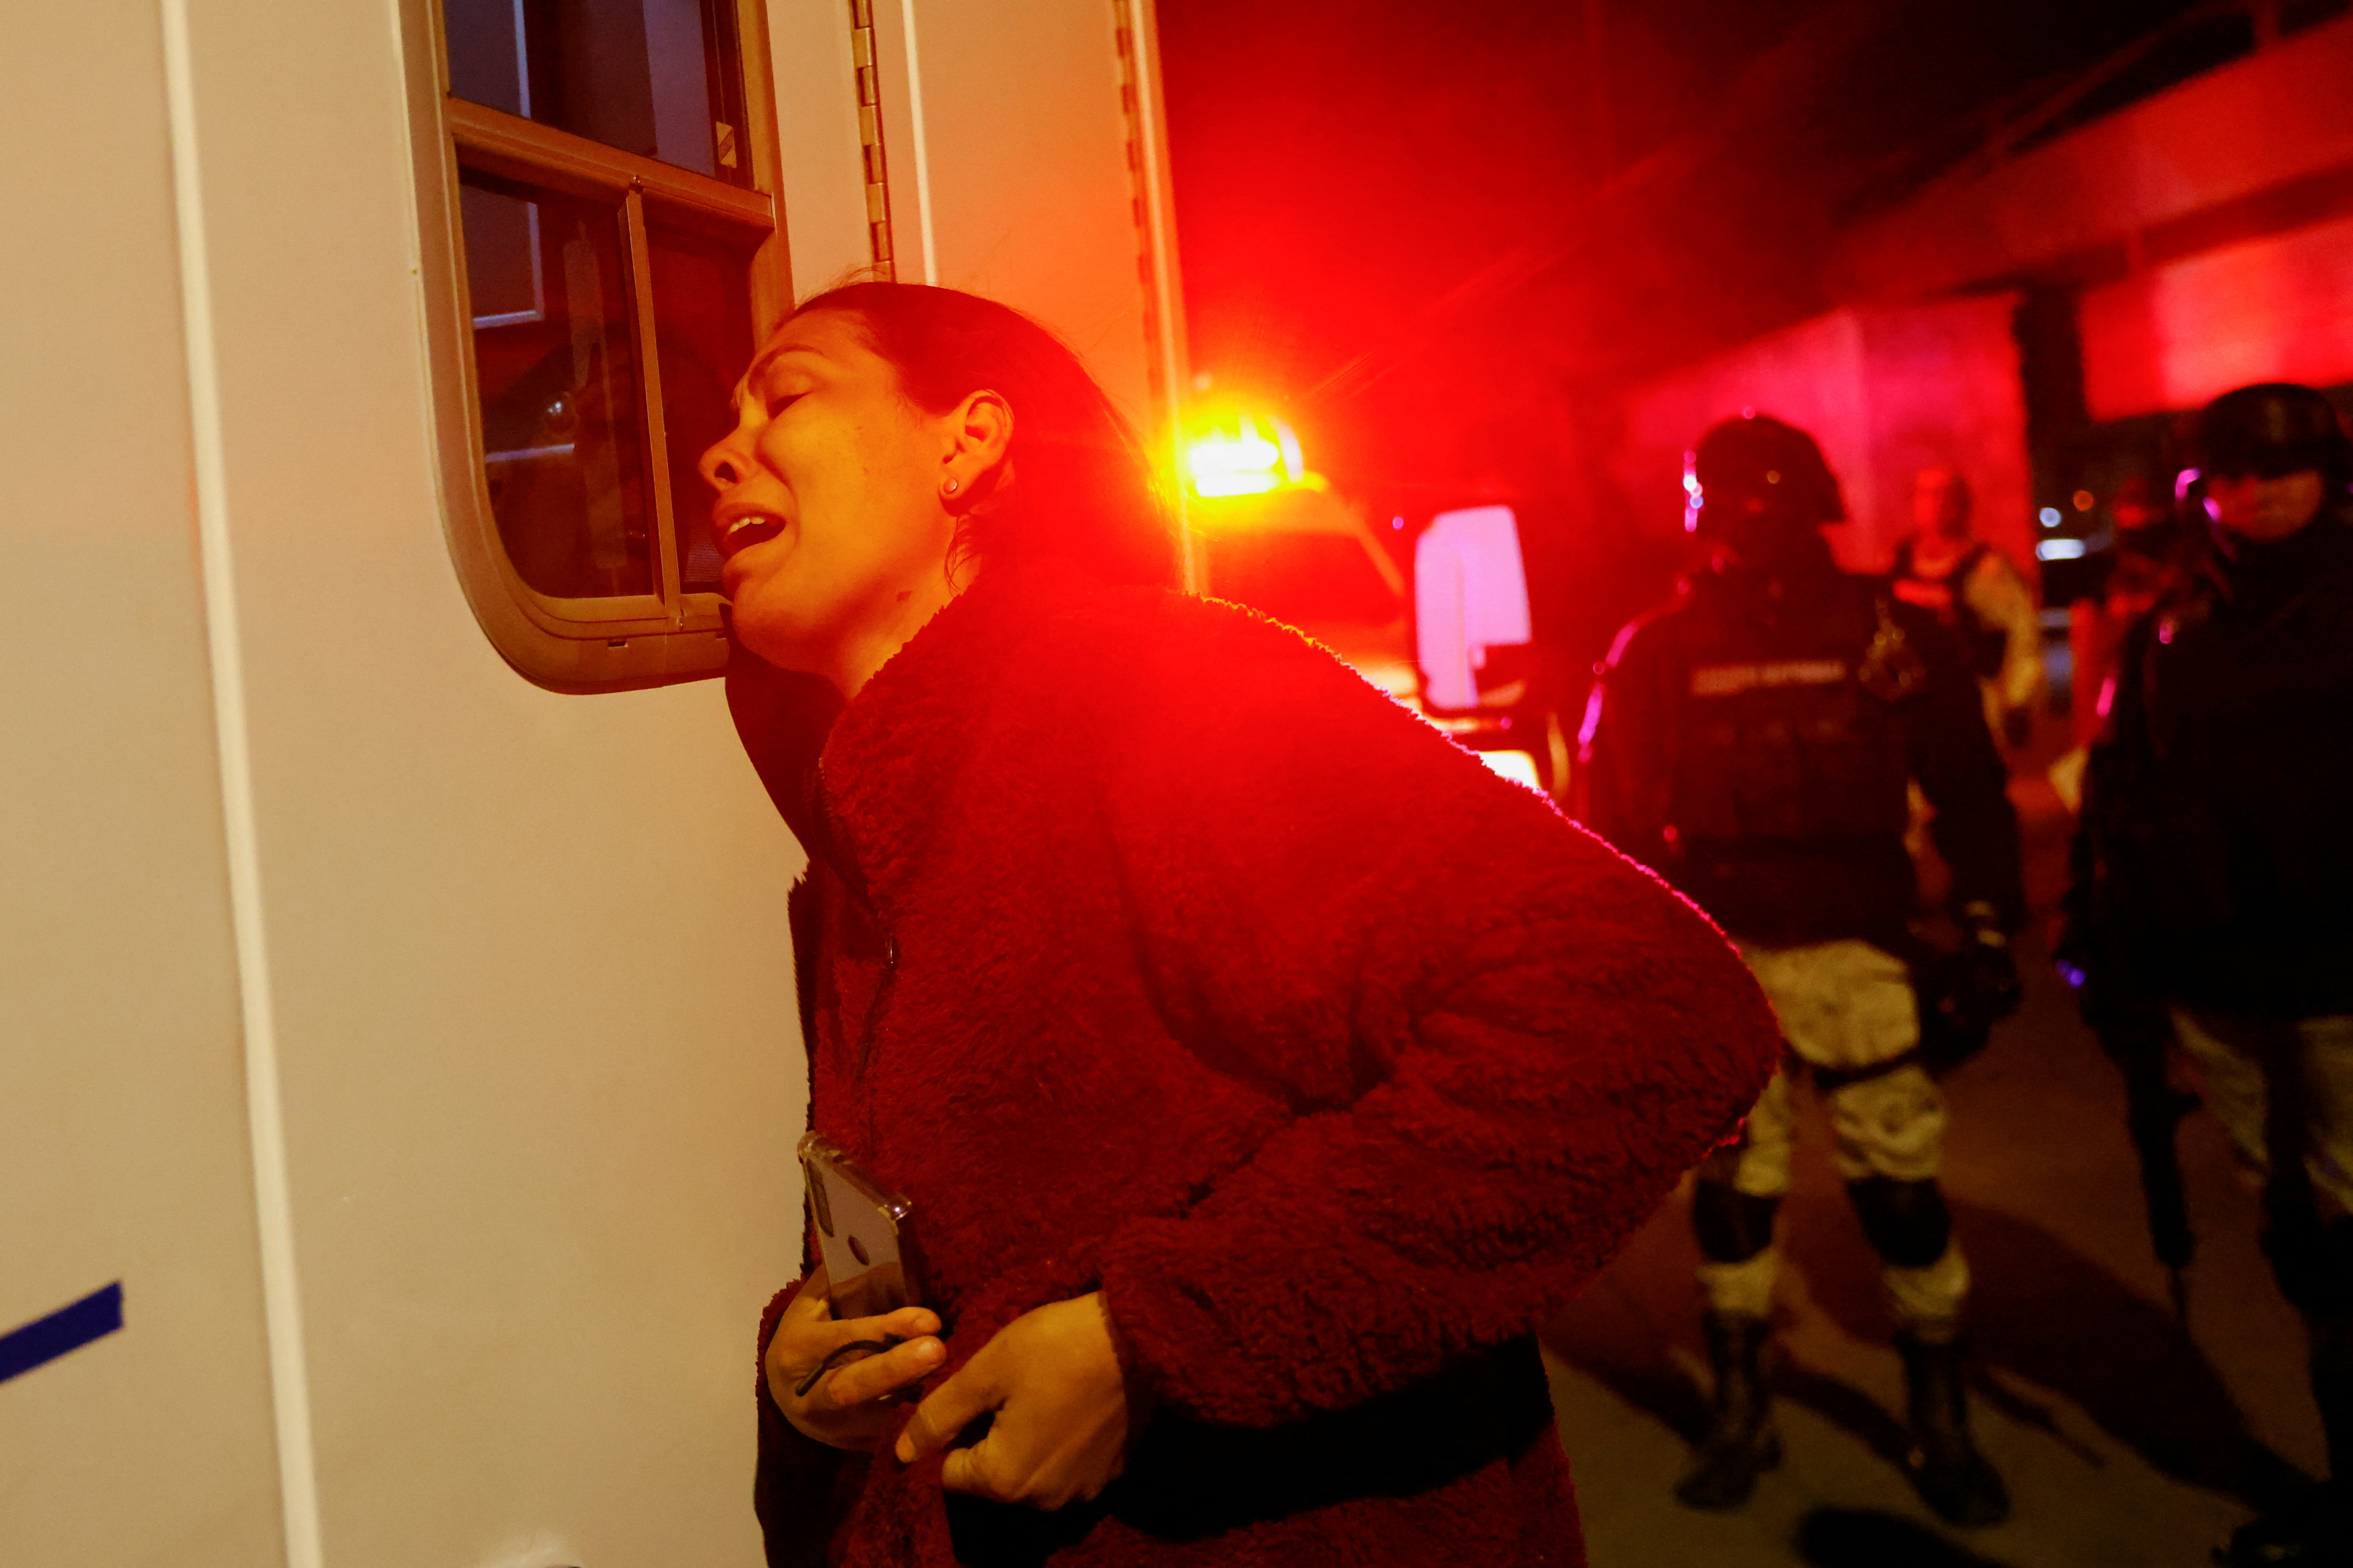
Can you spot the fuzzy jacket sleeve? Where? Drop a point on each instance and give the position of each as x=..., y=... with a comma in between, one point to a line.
x=800, y=1488
x=1498, y=1043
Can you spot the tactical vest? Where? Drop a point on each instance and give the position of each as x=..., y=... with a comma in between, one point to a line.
x=1946, y=597
x=1790, y=725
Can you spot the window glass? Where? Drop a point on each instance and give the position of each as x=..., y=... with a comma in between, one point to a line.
x=1307, y=579
x=705, y=308
x=607, y=282
x=556, y=372
x=640, y=75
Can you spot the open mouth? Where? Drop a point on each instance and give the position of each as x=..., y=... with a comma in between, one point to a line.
x=750, y=529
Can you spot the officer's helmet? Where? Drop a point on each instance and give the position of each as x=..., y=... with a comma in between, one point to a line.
x=2272, y=429
x=1753, y=459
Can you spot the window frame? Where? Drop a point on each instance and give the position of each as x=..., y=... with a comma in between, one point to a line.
x=581, y=645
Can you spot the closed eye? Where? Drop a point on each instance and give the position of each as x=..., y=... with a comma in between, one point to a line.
x=776, y=388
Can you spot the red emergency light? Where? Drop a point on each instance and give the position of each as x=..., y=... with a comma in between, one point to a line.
x=1243, y=454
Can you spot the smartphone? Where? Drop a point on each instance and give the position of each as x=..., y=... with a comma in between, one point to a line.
x=863, y=1233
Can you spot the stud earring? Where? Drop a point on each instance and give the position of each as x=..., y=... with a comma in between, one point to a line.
x=948, y=488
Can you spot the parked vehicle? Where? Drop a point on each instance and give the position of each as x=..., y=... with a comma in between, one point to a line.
x=403, y=1069
x=1454, y=643
x=1485, y=680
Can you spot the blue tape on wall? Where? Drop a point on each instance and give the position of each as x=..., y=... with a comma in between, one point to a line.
x=93, y=1317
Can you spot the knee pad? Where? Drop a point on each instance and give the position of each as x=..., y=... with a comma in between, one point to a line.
x=1906, y=1222
x=1733, y=1227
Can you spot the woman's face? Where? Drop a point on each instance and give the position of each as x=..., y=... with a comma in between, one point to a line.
x=830, y=515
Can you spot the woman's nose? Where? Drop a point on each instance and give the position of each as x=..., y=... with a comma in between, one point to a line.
x=722, y=466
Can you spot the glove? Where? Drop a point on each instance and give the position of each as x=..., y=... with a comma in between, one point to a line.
x=1962, y=995
x=1988, y=985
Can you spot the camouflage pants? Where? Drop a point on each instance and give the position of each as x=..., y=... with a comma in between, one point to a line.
x=2235, y=1055
x=1845, y=1007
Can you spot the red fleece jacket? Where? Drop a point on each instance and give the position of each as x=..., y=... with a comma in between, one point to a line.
x=1149, y=950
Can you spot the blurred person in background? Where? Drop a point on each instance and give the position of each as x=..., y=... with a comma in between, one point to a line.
x=2214, y=866
x=1755, y=743
x=1977, y=595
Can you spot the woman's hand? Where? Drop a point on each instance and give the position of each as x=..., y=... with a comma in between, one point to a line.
x=841, y=1408
x=1063, y=1421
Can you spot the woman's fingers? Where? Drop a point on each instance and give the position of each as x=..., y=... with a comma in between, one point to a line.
x=855, y=1383
x=808, y=1341
x=1016, y=1465
x=814, y=1304
x=1052, y=1376
x=840, y=1407
x=907, y=1323
x=816, y=1336
x=950, y=1407
x=801, y=1327
x=966, y=1470
x=810, y=1335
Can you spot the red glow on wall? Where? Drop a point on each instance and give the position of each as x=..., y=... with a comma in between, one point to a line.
x=2277, y=309
x=1888, y=392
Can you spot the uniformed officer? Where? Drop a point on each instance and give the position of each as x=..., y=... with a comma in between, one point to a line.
x=1977, y=595
x=1753, y=743
x=2216, y=855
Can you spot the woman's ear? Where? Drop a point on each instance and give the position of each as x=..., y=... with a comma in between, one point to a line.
x=980, y=432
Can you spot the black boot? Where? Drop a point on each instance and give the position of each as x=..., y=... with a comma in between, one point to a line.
x=2312, y=1533
x=2316, y=1530
x=1741, y=1444
x=1953, y=1477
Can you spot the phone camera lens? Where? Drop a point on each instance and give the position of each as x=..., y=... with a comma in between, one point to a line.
x=818, y=1206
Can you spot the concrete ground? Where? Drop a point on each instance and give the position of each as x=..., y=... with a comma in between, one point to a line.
x=2126, y=1435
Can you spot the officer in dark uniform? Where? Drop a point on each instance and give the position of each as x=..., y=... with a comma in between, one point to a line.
x=2214, y=866
x=1753, y=743
x=1977, y=595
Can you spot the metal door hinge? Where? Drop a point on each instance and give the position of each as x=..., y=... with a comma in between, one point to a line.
x=870, y=135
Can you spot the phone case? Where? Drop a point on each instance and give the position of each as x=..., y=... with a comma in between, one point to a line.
x=863, y=1233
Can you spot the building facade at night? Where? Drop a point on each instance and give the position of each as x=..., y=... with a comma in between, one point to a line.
x=2037, y=322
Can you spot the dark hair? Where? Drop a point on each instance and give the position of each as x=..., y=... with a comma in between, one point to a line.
x=1082, y=488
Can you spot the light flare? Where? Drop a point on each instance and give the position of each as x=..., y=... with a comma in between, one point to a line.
x=1242, y=455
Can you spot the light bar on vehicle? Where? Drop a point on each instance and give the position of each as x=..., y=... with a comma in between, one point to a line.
x=1245, y=455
